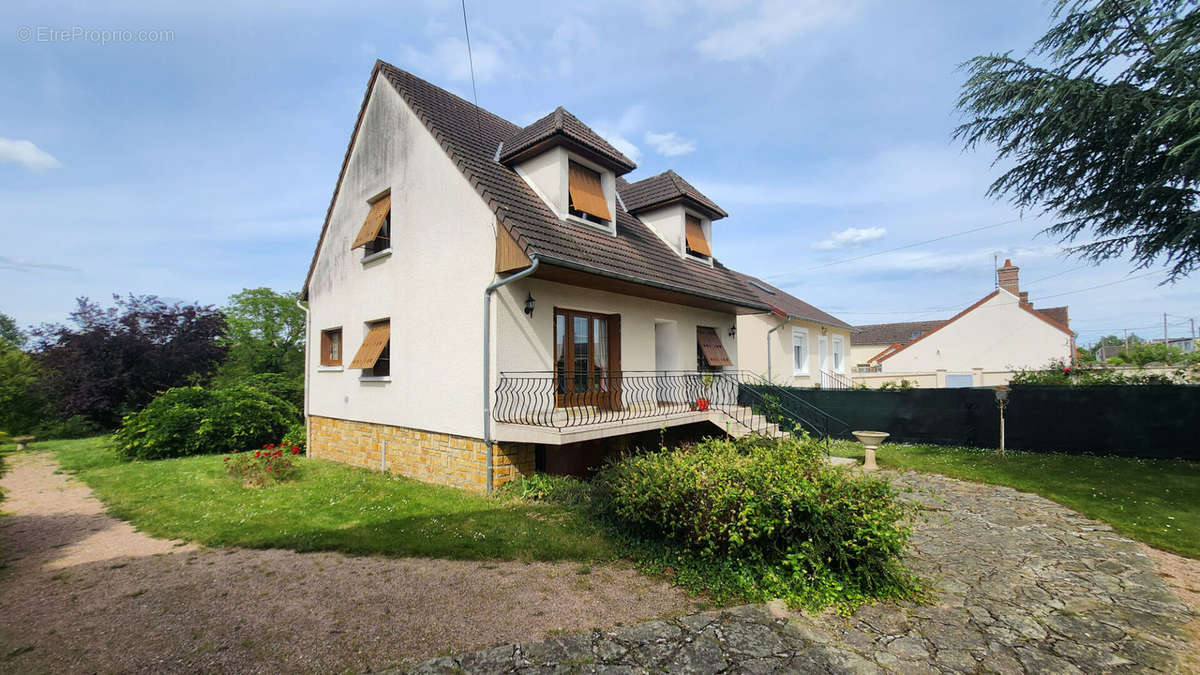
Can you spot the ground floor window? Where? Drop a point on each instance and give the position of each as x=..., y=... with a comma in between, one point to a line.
x=587, y=357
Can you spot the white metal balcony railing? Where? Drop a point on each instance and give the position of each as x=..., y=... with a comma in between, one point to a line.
x=565, y=399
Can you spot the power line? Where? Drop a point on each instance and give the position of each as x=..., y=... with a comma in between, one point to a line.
x=901, y=248
x=471, y=63
x=1092, y=288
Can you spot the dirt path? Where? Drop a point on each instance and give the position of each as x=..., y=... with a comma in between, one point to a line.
x=83, y=592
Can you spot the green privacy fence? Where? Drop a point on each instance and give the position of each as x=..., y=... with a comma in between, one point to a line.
x=1131, y=421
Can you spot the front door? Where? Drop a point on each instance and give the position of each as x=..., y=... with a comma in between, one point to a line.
x=587, y=355
x=823, y=360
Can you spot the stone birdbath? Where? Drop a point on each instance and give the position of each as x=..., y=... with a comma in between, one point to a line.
x=870, y=441
x=22, y=442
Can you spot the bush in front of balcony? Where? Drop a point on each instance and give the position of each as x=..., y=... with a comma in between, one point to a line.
x=760, y=519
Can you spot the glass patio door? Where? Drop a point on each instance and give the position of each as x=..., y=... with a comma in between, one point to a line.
x=587, y=369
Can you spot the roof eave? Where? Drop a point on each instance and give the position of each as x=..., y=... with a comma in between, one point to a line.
x=618, y=167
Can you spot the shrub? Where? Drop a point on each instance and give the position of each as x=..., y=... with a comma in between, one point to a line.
x=271, y=464
x=762, y=519
x=296, y=435
x=287, y=387
x=902, y=385
x=1059, y=373
x=193, y=421
x=75, y=426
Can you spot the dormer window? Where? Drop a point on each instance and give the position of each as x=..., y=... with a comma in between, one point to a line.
x=586, y=194
x=697, y=243
x=375, y=236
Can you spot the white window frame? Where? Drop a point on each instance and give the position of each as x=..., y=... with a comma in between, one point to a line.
x=797, y=331
x=608, y=184
x=838, y=353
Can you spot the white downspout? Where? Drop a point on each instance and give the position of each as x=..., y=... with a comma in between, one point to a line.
x=487, y=358
x=307, y=342
x=783, y=323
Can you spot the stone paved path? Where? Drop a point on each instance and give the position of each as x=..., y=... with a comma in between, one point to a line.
x=1023, y=586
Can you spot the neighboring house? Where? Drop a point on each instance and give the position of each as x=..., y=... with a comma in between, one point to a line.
x=796, y=344
x=1186, y=345
x=486, y=300
x=981, y=345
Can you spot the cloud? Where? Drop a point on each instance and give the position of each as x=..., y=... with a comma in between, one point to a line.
x=448, y=58
x=22, y=265
x=777, y=22
x=618, y=132
x=909, y=174
x=670, y=144
x=26, y=153
x=851, y=236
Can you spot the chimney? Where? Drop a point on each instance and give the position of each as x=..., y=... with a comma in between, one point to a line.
x=1024, y=295
x=1007, y=277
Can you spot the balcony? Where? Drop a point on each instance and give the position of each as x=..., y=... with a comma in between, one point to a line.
x=559, y=407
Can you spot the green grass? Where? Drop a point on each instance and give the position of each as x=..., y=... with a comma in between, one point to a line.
x=1156, y=501
x=330, y=507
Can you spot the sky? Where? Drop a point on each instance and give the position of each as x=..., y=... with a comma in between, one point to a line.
x=189, y=150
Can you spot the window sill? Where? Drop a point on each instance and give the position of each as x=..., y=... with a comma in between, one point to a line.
x=330, y=369
x=699, y=259
x=378, y=255
x=374, y=378
x=797, y=373
x=603, y=227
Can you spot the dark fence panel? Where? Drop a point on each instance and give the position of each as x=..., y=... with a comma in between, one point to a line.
x=1131, y=421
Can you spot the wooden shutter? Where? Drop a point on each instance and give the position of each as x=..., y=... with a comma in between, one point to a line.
x=710, y=345
x=695, y=237
x=375, y=217
x=587, y=194
x=372, y=346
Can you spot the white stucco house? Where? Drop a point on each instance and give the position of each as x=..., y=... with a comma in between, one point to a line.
x=796, y=344
x=486, y=300
x=980, y=346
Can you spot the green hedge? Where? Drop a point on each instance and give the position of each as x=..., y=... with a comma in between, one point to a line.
x=762, y=519
x=194, y=420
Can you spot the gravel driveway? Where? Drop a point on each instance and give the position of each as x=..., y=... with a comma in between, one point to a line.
x=83, y=592
x=1023, y=585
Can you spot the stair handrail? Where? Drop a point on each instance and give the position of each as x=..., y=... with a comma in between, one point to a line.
x=831, y=424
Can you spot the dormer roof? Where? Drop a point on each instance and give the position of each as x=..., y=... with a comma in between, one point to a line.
x=561, y=127
x=666, y=188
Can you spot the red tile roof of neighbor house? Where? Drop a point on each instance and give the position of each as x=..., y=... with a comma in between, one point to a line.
x=1046, y=315
x=471, y=137
x=893, y=333
x=785, y=303
x=666, y=188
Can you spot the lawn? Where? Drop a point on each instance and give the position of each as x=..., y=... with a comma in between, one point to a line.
x=1156, y=501
x=330, y=507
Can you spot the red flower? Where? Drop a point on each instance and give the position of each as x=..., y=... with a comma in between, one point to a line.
x=1067, y=371
x=258, y=453
x=295, y=450
x=266, y=445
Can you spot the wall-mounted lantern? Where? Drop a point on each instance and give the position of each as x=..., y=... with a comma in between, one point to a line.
x=733, y=330
x=529, y=302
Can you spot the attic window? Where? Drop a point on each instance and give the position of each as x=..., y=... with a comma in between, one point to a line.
x=376, y=232
x=761, y=287
x=915, y=334
x=587, y=195
x=697, y=244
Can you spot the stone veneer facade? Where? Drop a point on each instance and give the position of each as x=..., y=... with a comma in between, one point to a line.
x=444, y=459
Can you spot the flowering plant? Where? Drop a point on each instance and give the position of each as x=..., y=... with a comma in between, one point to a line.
x=272, y=464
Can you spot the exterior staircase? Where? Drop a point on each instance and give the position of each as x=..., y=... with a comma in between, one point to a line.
x=745, y=422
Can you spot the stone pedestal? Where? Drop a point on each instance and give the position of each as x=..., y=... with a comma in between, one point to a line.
x=870, y=441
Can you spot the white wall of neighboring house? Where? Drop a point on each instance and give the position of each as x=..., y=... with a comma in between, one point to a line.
x=752, y=349
x=998, y=335
x=431, y=287
x=527, y=343
x=860, y=354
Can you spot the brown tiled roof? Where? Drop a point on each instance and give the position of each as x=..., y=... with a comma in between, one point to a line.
x=470, y=136
x=1056, y=314
x=567, y=126
x=664, y=188
x=893, y=333
x=785, y=303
